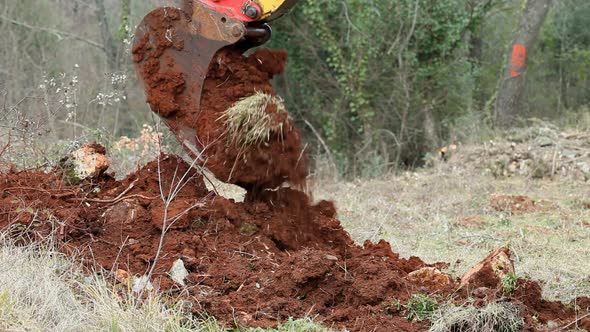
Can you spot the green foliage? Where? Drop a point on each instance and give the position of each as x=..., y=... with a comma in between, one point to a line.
x=420, y=307
x=294, y=325
x=509, y=283
x=562, y=62
x=362, y=71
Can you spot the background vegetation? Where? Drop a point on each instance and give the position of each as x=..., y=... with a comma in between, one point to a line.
x=375, y=84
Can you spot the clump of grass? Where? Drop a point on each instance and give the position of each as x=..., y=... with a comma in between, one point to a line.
x=509, y=284
x=43, y=290
x=494, y=317
x=292, y=325
x=420, y=307
x=248, y=122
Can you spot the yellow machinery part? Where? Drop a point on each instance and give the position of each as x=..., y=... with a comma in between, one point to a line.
x=273, y=9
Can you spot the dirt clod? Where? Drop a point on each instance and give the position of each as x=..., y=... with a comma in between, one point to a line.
x=196, y=116
x=513, y=204
x=489, y=272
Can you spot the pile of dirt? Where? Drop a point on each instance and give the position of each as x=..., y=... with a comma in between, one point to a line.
x=255, y=263
x=165, y=57
x=537, y=152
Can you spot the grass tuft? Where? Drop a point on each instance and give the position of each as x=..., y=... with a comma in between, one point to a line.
x=509, y=284
x=42, y=290
x=494, y=317
x=250, y=121
x=420, y=307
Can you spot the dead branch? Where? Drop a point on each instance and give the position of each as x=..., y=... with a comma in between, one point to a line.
x=58, y=33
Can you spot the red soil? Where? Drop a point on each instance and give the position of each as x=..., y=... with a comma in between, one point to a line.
x=170, y=70
x=281, y=159
x=255, y=263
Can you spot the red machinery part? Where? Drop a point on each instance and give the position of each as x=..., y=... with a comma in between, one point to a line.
x=235, y=9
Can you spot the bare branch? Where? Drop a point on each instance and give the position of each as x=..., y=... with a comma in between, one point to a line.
x=58, y=33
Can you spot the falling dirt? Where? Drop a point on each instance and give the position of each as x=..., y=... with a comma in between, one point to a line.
x=255, y=263
x=170, y=70
x=231, y=77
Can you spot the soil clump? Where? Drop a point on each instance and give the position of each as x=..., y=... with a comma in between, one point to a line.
x=161, y=54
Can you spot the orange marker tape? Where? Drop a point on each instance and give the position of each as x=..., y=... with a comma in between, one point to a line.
x=518, y=59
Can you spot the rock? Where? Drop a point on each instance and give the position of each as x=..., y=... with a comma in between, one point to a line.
x=489, y=272
x=430, y=277
x=552, y=325
x=141, y=284
x=89, y=161
x=122, y=276
x=248, y=229
x=178, y=272
x=544, y=141
x=125, y=212
x=481, y=292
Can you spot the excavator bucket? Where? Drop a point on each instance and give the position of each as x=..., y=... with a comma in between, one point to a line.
x=172, y=50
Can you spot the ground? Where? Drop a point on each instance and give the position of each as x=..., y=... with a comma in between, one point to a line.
x=451, y=211
x=444, y=215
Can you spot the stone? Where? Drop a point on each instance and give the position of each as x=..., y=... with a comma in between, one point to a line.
x=178, y=272
x=122, y=276
x=430, y=277
x=489, y=272
x=89, y=161
x=141, y=284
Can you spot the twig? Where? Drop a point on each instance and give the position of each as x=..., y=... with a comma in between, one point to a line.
x=69, y=193
x=116, y=199
x=6, y=146
x=59, y=34
x=575, y=322
x=322, y=142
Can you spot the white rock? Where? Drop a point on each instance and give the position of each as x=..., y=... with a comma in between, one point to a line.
x=178, y=272
x=141, y=283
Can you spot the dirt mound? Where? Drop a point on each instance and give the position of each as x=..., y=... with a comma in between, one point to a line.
x=255, y=263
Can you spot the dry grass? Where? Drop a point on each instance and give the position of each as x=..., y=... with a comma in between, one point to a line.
x=41, y=290
x=498, y=317
x=443, y=214
x=249, y=121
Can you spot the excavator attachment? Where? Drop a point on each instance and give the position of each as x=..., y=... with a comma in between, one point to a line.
x=172, y=50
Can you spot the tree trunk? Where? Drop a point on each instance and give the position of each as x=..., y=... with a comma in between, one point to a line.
x=429, y=125
x=512, y=86
x=107, y=38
